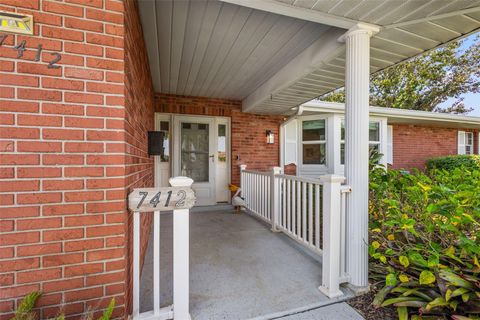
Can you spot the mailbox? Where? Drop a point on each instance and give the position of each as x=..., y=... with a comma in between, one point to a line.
x=155, y=143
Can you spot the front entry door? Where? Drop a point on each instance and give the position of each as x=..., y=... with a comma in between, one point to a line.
x=194, y=155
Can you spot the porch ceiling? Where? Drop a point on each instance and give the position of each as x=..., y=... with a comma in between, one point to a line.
x=216, y=49
x=276, y=54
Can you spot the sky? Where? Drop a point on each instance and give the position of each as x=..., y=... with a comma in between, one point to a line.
x=471, y=99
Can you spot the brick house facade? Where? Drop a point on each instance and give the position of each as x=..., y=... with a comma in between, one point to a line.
x=247, y=130
x=72, y=146
x=74, y=143
x=413, y=145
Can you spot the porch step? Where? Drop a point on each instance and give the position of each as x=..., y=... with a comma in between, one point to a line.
x=337, y=311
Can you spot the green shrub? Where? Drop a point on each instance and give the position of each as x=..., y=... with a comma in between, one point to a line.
x=470, y=162
x=425, y=242
x=25, y=309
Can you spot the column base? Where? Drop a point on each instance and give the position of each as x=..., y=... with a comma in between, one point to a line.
x=329, y=293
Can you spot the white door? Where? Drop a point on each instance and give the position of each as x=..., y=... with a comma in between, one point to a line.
x=194, y=155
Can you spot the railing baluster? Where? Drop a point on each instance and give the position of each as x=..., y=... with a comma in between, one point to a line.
x=304, y=211
x=268, y=197
x=298, y=216
x=294, y=207
x=310, y=214
x=251, y=187
x=260, y=192
x=289, y=200
x=284, y=202
x=265, y=200
x=317, y=217
x=244, y=186
x=256, y=193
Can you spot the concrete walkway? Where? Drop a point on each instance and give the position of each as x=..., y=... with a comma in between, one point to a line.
x=239, y=269
x=337, y=311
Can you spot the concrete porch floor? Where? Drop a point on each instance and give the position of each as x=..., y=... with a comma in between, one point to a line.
x=239, y=269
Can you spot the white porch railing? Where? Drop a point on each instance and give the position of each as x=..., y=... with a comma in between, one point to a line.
x=310, y=211
x=179, y=198
x=256, y=191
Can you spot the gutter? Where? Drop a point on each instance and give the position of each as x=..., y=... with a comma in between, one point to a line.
x=320, y=106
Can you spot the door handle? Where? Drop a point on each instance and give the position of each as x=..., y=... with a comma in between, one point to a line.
x=213, y=157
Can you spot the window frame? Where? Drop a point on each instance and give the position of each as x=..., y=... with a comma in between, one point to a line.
x=320, y=142
x=382, y=139
x=465, y=143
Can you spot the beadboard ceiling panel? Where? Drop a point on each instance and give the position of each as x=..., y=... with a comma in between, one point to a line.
x=277, y=54
x=217, y=49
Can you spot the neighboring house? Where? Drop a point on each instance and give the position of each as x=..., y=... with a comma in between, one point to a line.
x=84, y=82
x=313, y=140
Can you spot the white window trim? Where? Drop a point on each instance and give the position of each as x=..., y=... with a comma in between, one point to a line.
x=286, y=140
x=389, y=145
x=462, y=145
x=301, y=142
x=382, y=142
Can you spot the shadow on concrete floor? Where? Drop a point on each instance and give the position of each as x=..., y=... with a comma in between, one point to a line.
x=239, y=269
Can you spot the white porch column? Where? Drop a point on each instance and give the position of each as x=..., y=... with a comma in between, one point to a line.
x=357, y=71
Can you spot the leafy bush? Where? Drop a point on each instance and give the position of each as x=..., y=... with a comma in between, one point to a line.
x=425, y=242
x=25, y=309
x=470, y=162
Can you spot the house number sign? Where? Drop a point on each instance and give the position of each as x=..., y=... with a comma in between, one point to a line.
x=161, y=199
x=20, y=48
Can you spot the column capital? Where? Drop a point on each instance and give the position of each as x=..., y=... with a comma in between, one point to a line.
x=360, y=28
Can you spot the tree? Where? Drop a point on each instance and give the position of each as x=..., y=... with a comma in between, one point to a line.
x=424, y=82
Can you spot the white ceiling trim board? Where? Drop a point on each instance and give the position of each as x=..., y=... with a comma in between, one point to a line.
x=320, y=52
x=399, y=43
x=458, y=34
x=433, y=17
x=296, y=12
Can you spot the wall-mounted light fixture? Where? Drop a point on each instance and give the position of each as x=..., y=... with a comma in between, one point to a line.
x=16, y=23
x=270, y=137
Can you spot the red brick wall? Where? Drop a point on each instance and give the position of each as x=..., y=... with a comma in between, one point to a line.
x=413, y=145
x=139, y=107
x=64, y=144
x=248, y=141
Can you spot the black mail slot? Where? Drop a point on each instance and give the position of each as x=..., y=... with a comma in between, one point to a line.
x=155, y=143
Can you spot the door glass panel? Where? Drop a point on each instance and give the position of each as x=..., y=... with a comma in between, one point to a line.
x=165, y=128
x=222, y=143
x=195, y=151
